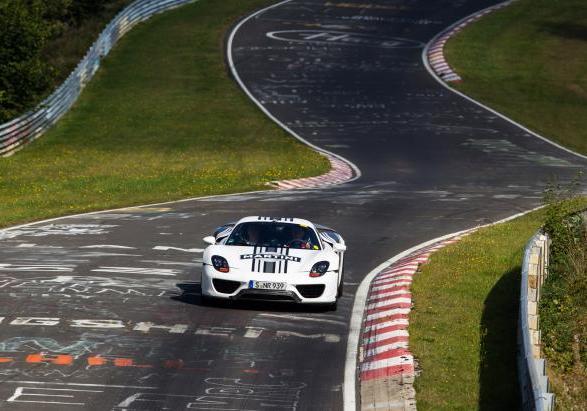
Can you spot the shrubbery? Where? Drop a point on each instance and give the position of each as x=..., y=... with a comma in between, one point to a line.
x=26, y=28
x=563, y=304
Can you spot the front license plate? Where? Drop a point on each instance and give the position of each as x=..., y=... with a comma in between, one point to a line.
x=266, y=285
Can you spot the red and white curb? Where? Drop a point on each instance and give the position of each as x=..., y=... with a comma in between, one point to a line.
x=386, y=365
x=435, y=52
x=339, y=173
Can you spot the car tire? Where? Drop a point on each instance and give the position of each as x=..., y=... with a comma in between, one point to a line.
x=340, y=289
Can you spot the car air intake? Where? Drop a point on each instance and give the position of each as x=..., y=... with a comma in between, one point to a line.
x=225, y=286
x=311, y=290
x=266, y=296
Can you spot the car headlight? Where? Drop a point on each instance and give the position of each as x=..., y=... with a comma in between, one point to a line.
x=220, y=264
x=319, y=269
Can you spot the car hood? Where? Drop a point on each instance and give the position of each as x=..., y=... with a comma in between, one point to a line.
x=278, y=260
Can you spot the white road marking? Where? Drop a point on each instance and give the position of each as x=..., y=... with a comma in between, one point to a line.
x=389, y=294
x=253, y=332
x=329, y=338
x=478, y=103
x=391, y=301
x=138, y=270
x=392, y=285
x=35, y=267
x=76, y=384
x=384, y=348
x=386, y=324
x=387, y=313
x=109, y=246
x=261, y=106
x=388, y=362
x=20, y=392
x=296, y=317
x=385, y=336
x=186, y=250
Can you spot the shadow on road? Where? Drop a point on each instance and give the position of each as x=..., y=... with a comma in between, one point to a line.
x=497, y=371
x=192, y=294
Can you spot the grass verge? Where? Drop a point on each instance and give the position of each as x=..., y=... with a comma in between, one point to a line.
x=160, y=121
x=529, y=62
x=463, y=327
x=464, y=324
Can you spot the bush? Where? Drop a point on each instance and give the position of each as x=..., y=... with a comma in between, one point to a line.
x=24, y=76
x=26, y=28
x=563, y=304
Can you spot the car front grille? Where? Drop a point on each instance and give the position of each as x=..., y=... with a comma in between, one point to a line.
x=311, y=290
x=264, y=295
x=225, y=286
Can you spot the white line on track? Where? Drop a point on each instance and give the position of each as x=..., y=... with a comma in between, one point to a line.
x=478, y=103
x=295, y=317
x=81, y=384
x=263, y=108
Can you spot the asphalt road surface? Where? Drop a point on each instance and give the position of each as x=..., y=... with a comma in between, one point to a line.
x=103, y=311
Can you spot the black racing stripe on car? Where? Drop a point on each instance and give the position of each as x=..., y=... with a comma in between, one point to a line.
x=253, y=260
x=258, y=265
x=286, y=253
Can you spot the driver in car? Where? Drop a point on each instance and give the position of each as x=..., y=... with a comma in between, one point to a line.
x=299, y=239
x=253, y=234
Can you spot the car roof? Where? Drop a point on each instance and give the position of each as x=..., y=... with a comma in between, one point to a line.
x=291, y=220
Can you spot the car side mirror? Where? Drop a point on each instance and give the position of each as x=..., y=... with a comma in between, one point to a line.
x=338, y=247
x=210, y=240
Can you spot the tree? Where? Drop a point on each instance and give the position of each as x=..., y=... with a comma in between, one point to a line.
x=24, y=75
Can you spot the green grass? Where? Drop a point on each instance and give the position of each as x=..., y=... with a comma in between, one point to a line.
x=463, y=327
x=529, y=61
x=160, y=121
x=464, y=324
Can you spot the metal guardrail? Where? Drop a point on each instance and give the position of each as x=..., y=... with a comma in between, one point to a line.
x=531, y=367
x=26, y=128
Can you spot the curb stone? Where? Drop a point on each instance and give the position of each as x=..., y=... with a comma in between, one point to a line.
x=435, y=53
x=339, y=173
x=386, y=366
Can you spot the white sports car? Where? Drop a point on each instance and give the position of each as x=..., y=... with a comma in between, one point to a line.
x=276, y=259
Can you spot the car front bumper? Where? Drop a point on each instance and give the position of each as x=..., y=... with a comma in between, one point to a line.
x=300, y=287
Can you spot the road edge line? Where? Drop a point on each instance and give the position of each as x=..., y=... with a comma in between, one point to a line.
x=239, y=81
x=426, y=63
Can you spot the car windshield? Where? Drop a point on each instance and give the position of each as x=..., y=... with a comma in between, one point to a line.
x=273, y=234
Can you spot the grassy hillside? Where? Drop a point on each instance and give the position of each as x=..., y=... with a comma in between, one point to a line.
x=161, y=120
x=529, y=61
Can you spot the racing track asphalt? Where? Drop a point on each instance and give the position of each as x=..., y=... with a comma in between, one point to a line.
x=335, y=72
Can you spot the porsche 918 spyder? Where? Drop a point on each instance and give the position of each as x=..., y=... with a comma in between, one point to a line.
x=274, y=259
